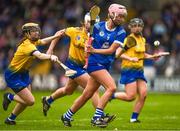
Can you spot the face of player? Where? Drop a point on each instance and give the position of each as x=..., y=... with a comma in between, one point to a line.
x=136, y=29
x=118, y=20
x=35, y=34
x=87, y=25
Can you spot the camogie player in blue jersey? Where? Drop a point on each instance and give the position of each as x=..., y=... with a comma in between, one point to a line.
x=108, y=36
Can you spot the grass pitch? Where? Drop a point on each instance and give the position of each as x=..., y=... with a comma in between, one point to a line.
x=161, y=111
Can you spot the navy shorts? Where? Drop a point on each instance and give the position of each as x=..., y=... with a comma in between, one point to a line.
x=131, y=75
x=17, y=81
x=97, y=66
x=77, y=67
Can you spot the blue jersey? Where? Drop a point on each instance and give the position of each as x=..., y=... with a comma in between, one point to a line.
x=103, y=39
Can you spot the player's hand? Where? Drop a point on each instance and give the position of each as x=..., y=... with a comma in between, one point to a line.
x=54, y=58
x=89, y=49
x=60, y=33
x=134, y=59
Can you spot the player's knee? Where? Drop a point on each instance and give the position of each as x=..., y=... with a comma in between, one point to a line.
x=30, y=102
x=131, y=97
x=88, y=95
x=68, y=92
x=143, y=94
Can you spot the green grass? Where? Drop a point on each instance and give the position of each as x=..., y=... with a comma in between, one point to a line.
x=161, y=111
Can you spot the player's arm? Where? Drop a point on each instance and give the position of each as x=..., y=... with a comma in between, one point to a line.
x=118, y=42
x=108, y=51
x=58, y=34
x=126, y=57
x=44, y=56
x=119, y=52
x=129, y=42
x=146, y=55
x=152, y=57
x=55, y=41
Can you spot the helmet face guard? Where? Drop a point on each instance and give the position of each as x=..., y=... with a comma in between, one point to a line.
x=136, y=22
x=30, y=27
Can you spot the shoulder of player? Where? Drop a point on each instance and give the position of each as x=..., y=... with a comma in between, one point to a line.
x=27, y=42
x=133, y=36
x=75, y=29
x=99, y=24
x=130, y=38
x=121, y=30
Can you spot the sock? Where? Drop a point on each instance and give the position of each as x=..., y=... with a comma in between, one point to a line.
x=68, y=115
x=113, y=96
x=134, y=115
x=12, y=116
x=50, y=100
x=99, y=113
x=10, y=97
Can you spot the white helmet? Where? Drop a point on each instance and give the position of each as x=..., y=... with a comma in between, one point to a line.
x=88, y=18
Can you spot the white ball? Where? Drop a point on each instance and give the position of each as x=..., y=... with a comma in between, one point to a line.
x=156, y=43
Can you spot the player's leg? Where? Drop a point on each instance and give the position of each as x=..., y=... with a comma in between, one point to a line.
x=82, y=81
x=142, y=91
x=28, y=98
x=68, y=89
x=88, y=92
x=129, y=94
x=9, y=97
x=108, y=82
x=95, y=99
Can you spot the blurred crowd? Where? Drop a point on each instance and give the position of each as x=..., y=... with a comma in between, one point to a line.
x=53, y=15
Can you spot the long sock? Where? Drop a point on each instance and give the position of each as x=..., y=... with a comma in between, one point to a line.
x=99, y=113
x=68, y=115
x=10, y=97
x=134, y=115
x=50, y=100
x=12, y=116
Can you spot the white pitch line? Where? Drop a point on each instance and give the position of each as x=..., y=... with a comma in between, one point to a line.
x=48, y=120
x=85, y=120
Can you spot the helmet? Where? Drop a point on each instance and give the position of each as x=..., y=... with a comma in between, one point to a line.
x=117, y=9
x=26, y=28
x=88, y=18
x=136, y=21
